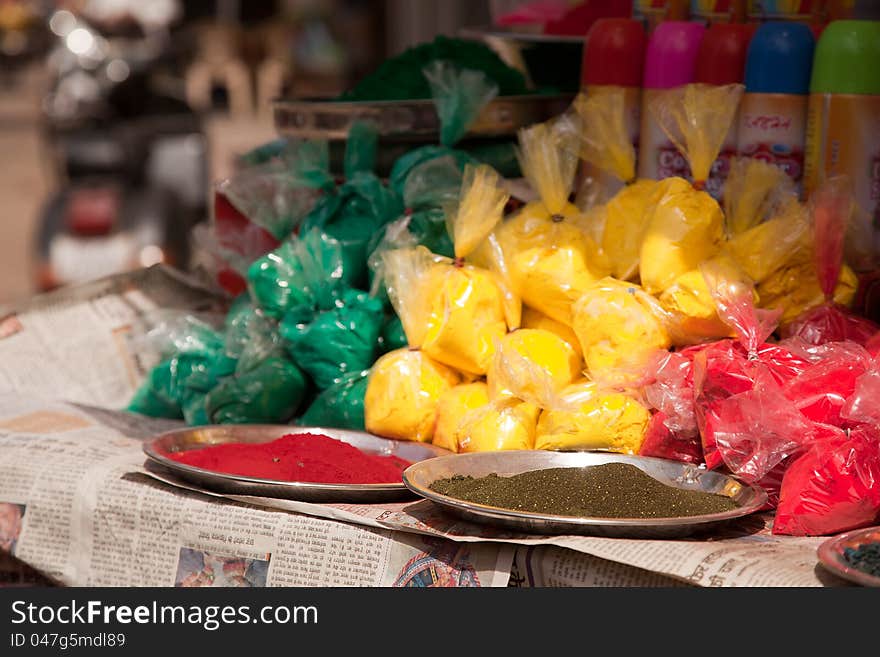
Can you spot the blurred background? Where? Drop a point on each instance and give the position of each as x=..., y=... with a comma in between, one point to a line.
x=119, y=117
x=124, y=111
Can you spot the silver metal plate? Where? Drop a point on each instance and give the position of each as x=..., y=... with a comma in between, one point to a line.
x=182, y=440
x=419, y=476
x=831, y=553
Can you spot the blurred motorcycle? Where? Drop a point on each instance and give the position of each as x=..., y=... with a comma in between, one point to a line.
x=129, y=153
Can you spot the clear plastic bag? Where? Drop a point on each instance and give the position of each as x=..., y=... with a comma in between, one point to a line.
x=332, y=343
x=532, y=365
x=451, y=310
x=753, y=193
x=403, y=390
x=685, y=229
x=696, y=118
x=620, y=328
x=586, y=416
x=340, y=406
x=833, y=486
x=306, y=270
x=459, y=96
x=549, y=256
x=453, y=406
x=603, y=136
x=831, y=207
x=269, y=392
x=673, y=431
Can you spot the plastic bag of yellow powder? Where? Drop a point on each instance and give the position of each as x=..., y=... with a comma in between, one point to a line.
x=692, y=313
x=619, y=327
x=451, y=310
x=753, y=191
x=604, y=139
x=535, y=319
x=500, y=425
x=521, y=354
x=626, y=220
x=794, y=287
x=685, y=228
x=550, y=257
x=765, y=247
x=452, y=406
x=403, y=389
x=697, y=118
x=588, y=417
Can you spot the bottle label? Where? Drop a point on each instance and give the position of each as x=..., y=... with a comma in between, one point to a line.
x=772, y=128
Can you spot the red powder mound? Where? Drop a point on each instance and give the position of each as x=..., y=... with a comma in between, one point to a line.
x=313, y=458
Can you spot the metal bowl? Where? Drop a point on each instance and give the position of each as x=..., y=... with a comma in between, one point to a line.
x=182, y=440
x=419, y=476
x=831, y=554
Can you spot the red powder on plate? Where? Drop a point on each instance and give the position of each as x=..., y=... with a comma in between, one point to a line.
x=313, y=458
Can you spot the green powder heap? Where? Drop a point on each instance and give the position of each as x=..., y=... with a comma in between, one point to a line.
x=611, y=490
x=401, y=77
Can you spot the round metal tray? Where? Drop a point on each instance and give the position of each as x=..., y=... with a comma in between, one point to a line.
x=182, y=440
x=831, y=553
x=409, y=120
x=419, y=476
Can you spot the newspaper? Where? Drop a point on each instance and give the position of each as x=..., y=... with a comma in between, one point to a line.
x=82, y=508
x=82, y=522
x=74, y=343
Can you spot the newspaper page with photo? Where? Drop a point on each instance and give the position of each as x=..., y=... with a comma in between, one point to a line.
x=742, y=553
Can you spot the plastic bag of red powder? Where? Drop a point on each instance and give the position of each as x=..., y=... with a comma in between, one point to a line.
x=822, y=390
x=831, y=207
x=737, y=385
x=834, y=486
x=863, y=405
x=672, y=432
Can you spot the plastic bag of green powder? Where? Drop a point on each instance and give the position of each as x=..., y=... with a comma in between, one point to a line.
x=459, y=95
x=352, y=215
x=270, y=392
x=304, y=270
x=392, y=336
x=192, y=358
x=340, y=406
x=276, y=195
x=361, y=148
x=335, y=341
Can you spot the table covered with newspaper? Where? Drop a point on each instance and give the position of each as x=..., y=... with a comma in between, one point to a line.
x=79, y=507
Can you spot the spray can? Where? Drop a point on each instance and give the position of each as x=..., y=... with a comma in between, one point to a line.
x=670, y=58
x=614, y=56
x=843, y=135
x=721, y=60
x=773, y=109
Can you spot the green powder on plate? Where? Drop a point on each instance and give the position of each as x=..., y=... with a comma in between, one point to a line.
x=610, y=490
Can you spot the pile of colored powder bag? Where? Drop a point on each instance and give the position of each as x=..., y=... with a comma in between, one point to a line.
x=657, y=322
x=292, y=245
x=652, y=321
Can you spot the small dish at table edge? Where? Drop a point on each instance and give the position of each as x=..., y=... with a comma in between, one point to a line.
x=830, y=553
